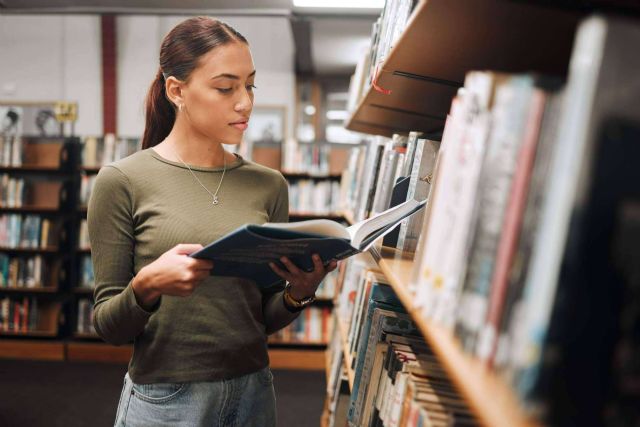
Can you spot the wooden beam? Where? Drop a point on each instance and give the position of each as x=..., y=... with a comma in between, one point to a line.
x=109, y=74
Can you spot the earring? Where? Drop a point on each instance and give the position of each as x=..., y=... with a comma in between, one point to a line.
x=180, y=107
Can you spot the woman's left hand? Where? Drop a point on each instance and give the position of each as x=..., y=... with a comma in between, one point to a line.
x=303, y=284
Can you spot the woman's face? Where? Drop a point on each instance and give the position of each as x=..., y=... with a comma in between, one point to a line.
x=218, y=96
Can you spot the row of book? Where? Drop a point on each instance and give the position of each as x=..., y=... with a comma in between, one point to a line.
x=10, y=149
x=314, y=197
x=86, y=187
x=100, y=151
x=313, y=159
x=83, y=235
x=12, y=191
x=384, y=35
x=84, y=324
x=86, y=279
x=386, y=172
x=26, y=231
x=397, y=380
x=327, y=288
x=22, y=272
x=21, y=192
x=18, y=315
x=313, y=325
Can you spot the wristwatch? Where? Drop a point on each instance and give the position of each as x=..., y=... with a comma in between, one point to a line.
x=293, y=304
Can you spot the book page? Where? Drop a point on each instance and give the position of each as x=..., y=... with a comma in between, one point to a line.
x=364, y=231
x=323, y=227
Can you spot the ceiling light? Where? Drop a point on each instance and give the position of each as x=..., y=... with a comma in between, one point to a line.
x=364, y=4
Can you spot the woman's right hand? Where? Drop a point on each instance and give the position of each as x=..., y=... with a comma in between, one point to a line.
x=173, y=273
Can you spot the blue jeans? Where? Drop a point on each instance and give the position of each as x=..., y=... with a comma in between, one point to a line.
x=244, y=401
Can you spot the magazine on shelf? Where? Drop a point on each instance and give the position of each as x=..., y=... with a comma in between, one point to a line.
x=248, y=250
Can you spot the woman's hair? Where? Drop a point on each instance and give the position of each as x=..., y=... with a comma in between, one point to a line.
x=180, y=52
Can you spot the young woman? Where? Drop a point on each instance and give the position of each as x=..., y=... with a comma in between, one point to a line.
x=200, y=341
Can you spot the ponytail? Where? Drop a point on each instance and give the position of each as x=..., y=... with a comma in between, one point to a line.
x=159, y=114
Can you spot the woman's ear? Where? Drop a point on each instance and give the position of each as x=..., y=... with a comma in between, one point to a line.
x=173, y=90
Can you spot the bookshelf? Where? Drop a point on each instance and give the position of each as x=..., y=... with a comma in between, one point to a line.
x=454, y=37
x=491, y=400
x=412, y=90
x=37, y=210
x=348, y=363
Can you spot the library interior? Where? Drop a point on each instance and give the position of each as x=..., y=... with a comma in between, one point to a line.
x=415, y=214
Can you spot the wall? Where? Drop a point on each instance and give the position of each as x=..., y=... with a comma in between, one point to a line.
x=50, y=58
x=56, y=57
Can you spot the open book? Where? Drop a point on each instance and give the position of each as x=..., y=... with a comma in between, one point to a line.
x=247, y=251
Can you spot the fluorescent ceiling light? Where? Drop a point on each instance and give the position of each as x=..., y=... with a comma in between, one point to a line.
x=364, y=4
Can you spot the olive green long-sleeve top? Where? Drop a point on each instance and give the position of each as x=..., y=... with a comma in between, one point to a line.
x=144, y=205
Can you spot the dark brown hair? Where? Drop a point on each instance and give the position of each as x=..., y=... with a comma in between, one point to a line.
x=180, y=52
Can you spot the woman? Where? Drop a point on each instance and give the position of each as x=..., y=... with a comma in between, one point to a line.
x=200, y=353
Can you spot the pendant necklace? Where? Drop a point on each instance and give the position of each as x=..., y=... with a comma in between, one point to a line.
x=214, y=196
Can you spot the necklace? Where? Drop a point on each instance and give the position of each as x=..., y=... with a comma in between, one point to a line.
x=214, y=196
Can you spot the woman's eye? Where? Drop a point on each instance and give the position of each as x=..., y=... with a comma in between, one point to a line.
x=224, y=89
x=251, y=87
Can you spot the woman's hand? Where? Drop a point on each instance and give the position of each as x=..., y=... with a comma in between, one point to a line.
x=303, y=284
x=173, y=273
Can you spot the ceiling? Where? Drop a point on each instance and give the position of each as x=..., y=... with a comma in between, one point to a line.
x=328, y=41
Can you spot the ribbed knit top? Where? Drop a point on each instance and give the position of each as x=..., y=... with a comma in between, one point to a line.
x=144, y=205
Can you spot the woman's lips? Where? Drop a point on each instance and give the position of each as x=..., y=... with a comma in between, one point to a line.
x=240, y=125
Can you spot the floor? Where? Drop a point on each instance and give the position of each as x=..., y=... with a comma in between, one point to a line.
x=34, y=394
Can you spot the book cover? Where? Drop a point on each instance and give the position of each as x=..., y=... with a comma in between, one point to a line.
x=248, y=250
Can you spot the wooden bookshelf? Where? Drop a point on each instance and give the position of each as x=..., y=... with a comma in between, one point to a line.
x=296, y=343
x=86, y=335
x=28, y=290
x=90, y=170
x=492, y=400
x=33, y=350
x=313, y=215
x=344, y=332
x=49, y=250
x=29, y=209
x=33, y=168
x=32, y=334
x=445, y=39
x=295, y=359
x=304, y=175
